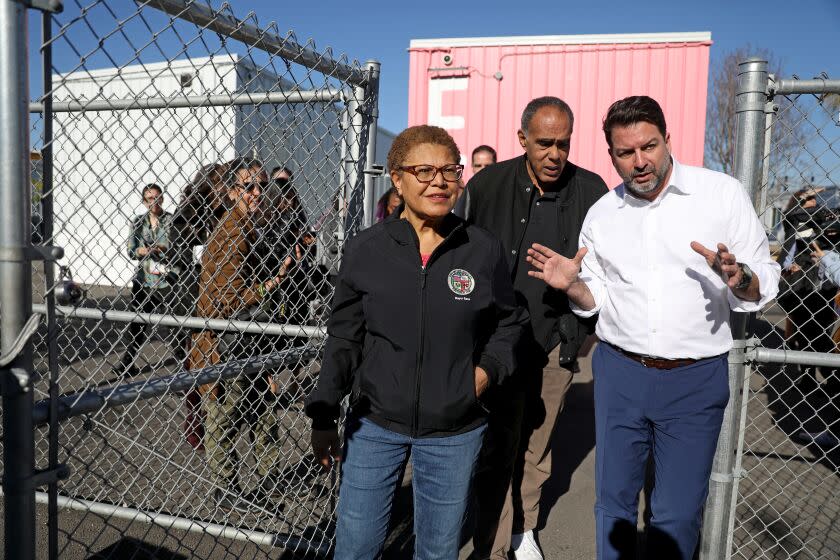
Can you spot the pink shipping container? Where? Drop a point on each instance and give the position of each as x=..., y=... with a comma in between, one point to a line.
x=476, y=88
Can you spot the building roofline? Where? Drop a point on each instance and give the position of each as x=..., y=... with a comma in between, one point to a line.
x=606, y=39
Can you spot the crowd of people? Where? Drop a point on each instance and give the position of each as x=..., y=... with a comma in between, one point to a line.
x=445, y=313
x=236, y=247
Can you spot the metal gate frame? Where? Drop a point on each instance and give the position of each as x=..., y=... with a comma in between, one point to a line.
x=20, y=319
x=755, y=109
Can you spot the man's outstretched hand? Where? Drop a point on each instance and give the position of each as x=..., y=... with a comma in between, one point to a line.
x=553, y=268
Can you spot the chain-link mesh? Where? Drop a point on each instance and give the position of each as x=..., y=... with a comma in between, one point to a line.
x=788, y=503
x=202, y=299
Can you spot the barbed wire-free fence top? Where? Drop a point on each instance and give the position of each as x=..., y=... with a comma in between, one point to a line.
x=200, y=172
x=787, y=503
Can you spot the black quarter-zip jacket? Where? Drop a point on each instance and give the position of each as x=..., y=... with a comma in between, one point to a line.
x=405, y=339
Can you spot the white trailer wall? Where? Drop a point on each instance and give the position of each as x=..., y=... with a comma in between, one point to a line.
x=102, y=158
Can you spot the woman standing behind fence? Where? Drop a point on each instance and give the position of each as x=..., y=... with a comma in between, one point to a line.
x=228, y=288
x=423, y=321
x=152, y=289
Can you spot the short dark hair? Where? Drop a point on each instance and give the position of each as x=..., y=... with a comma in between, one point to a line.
x=485, y=148
x=548, y=101
x=631, y=110
x=416, y=135
x=151, y=187
x=283, y=168
x=238, y=164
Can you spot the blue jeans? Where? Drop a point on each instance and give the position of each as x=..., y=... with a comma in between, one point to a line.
x=374, y=460
x=676, y=415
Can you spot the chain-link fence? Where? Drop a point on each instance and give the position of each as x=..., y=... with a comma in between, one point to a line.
x=200, y=172
x=780, y=485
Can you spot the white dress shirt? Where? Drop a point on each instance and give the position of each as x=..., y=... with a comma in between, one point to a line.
x=656, y=296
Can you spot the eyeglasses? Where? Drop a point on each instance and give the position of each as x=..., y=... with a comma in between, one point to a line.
x=152, y=199
x=251, y=185
x=280, y=181
x=427, y=173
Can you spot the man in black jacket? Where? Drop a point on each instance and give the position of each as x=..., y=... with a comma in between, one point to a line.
x=538, y=197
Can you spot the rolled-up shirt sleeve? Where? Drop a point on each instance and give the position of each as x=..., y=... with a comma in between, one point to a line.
x=750, y=246
x=591, y=272
x=830, y=267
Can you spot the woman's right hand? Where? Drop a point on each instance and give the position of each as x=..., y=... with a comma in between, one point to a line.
x=326, y=447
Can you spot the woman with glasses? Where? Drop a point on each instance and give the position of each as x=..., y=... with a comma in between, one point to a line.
x=423, y=322
x=150, y=243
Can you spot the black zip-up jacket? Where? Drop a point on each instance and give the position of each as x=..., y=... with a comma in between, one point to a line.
x=406, y=339
x=499, y=199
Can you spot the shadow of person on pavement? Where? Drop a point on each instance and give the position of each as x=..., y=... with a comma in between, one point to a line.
x=652, y=544
x=574, y=440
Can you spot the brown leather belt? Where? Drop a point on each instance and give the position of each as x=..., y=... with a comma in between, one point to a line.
x=654, y=362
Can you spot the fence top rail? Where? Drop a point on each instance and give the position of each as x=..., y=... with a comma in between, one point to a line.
x=205, y=16
x=816, y=86
x=258, y=98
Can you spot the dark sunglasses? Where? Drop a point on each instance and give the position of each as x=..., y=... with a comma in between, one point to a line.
x=251, y=185
x=280, y=181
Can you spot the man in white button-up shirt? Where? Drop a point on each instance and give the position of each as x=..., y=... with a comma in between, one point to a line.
x=663, y=259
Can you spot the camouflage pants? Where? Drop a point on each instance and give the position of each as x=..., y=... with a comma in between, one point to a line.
x=243, y=403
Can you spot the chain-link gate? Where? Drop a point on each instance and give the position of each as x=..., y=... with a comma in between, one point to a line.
x=775, y=492
x=181, y=328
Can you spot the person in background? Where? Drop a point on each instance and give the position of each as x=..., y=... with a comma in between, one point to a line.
x=665, y=257
x=482, y=156
x=807, y=294
x=203, y=202
x=229, y=288
x=828, y=263
x=149, y=243
x=415, y=339
x=539, y=196
x=282, y=173
x=387, y=203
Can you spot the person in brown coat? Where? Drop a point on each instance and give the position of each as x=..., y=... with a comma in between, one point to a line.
x=228, y=288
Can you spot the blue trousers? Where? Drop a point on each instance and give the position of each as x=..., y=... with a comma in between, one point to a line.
x=374, y=460
x=675, y=414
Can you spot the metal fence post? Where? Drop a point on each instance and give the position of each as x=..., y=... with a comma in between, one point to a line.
x=354, y=179
x=16, y=284
x=372, y=108
x=716, y=538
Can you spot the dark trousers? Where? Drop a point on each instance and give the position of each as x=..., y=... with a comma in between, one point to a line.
x=148, y=300
x=675, y=415
x=497, y=462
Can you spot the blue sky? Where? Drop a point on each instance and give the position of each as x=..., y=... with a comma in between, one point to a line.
x=803, y=35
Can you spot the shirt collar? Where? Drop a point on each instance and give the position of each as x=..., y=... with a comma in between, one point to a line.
x=677, y=182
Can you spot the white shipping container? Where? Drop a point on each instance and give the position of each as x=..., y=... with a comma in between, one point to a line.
x=102, y=158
